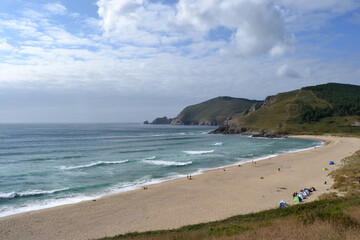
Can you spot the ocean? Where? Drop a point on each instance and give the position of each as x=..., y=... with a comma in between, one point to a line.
x=47, y=165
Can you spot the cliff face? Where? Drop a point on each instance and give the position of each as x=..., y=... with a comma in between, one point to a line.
x=234, y=126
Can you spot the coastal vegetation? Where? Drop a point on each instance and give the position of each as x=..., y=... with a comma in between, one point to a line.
x=212, y=112
x=328, y=108
x=333, y=216
x=347, y=177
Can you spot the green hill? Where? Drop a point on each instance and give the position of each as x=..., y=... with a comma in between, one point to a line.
x=213, y=112
x=327, y=108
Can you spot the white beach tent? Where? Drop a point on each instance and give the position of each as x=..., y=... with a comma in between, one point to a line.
x=300, y=195
x=306, y=192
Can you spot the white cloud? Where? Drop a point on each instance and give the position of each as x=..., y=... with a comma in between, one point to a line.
x=119, y=16
x=135, y=21
x=257, y=27
x=55, y=8
x=308, y=15
x=335, y=6
x=62, y=37
x=4, y=46
x=24, y=26
x=285, y=71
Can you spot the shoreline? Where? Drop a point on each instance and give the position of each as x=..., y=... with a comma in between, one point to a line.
x=213, y=195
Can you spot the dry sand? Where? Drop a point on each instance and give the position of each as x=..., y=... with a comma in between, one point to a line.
x=211, y=196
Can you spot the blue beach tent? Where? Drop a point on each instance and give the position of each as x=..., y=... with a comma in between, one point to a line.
x=282, y=203
x=331, y=163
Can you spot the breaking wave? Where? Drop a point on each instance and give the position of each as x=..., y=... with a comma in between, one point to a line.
x=94, y=164
x=29, y=193
x=198, y=152
x=167, y=163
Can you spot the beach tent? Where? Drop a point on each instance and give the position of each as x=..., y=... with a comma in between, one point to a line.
x=300, y=195
x=325, y=169
x=312, y=189
x=306, y=192
x=282, y=203
x=331, y=163
x=297, y=199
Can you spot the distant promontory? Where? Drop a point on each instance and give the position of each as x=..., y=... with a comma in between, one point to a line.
x=212, y=112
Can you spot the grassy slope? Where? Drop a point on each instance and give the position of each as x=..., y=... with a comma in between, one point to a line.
x=284, y=116
x=215, y=110
x=330, y=218
x=324, y=219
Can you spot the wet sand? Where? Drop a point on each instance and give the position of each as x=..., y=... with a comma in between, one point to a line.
x=211, y=196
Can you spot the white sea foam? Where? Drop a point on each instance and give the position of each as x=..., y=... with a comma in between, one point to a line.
x=217, y=144
x=198, y=152
x=150, y=158
x=167, y=163
x=28, y=193
x=100, y=163
x=49, y=203
x=37, y=205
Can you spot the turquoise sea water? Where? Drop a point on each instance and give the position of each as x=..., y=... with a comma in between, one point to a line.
x=46, y=165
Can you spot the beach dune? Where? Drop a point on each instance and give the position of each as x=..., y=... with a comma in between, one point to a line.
x=211, y=196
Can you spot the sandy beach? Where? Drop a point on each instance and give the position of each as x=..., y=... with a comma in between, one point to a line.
x=211, y=196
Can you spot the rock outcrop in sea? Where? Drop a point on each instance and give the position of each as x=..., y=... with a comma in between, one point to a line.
x=162, y=120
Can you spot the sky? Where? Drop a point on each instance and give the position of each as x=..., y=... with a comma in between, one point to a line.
x=135, y=60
